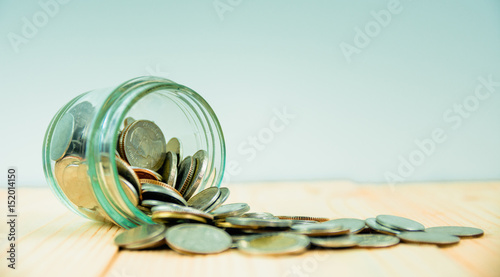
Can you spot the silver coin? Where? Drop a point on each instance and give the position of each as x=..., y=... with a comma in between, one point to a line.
x=234, y=209
x=128, y=173
x=224, y=194
x=428, y=237
x=261, y=215
x=144, y=145
x=200, y=171
x=174, y=208
x=130, y=191
x=142, y=237
x=61, y=137
x=197, y=239
x=320, y=229
x=174, y=146
x=353, y=224
x=274, y=244
x=376, y=241
x=169, y=169
x=399, y=223
x=372, y=223
x=299, y=222
x=150, y=203
x=82, y=113
x=342, y=241
x=154, y=192
x=129, y=120
x=204, y=199
x=185, y=174
x=256, y=222
x=458, y=231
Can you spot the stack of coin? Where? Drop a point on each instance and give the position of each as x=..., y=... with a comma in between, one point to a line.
x=164, y=175
x=67, y=150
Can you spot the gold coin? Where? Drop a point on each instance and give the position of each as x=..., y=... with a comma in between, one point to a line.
x=275, y=244
x=167, y=217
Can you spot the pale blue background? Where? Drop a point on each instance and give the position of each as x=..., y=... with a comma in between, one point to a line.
x=353, y=120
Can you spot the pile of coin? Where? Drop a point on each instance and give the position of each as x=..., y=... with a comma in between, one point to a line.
x=151, y=171
x=206, y=227
x=155, y=178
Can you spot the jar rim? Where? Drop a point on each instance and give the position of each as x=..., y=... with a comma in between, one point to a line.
x=103, y=135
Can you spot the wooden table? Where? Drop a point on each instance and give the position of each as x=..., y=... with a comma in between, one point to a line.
x=54, y=242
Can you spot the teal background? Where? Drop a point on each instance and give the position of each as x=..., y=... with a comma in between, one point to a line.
x=354, y=118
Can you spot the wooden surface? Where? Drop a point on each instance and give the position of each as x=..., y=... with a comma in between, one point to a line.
x=54, y=242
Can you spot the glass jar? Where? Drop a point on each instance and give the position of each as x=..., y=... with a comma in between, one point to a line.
x=86, y=130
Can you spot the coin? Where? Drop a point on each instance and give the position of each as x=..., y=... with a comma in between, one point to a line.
x=169, y=169
x=174, y=146
x=274, y=244
x=376, y=241
x=82, y=114
x=185, y=174
x=158, y=183
x=342, y=241
x=372, y=223
x=256, y=222
x=197, y=239
x=320, y=229
x=149, y=203
x=130, y=191
x=128, y=173
x=154, y=192
x=353, y=224
x=399, y=223
x=261, y=215
x=181, y=209
x=128, y=121
x=144, y=145
x=76, y=185
x=224, y=194
x=201, y=158
x=61, y=137
x=142, y=237
x=175, y=218
x=458, y=231
x=225, y=224
x=234, y=209
x=204, y=199
x=144, y=173
x=300, y=217
x=428, y=237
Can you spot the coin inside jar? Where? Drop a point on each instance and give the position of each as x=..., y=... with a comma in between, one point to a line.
x=143, y=145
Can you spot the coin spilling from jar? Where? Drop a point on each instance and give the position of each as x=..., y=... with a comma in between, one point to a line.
x=156, y=178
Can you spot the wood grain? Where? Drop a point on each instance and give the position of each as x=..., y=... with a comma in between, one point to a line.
x=54, y=242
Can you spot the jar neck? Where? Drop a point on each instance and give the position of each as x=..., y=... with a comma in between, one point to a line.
x=204, y=131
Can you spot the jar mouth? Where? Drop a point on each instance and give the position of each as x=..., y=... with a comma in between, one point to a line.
x=192, y=120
